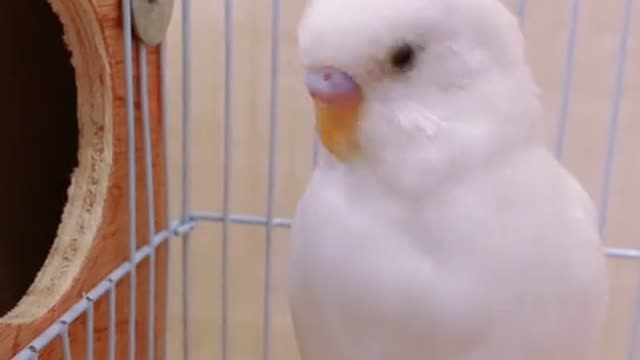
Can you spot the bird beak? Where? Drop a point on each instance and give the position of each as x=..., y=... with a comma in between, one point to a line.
x=337, y=99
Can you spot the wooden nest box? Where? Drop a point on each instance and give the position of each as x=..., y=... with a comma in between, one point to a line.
x=64, y=190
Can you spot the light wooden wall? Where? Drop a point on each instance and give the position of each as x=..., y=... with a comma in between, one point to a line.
x=546, y=30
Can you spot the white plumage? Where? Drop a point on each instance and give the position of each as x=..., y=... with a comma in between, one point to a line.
x=445, y=230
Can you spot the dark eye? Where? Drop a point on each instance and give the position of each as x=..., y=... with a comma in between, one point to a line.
x=403, y=56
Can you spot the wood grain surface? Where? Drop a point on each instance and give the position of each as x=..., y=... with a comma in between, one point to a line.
x=92, y=238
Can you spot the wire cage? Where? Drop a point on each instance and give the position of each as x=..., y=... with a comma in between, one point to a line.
x=239, y=149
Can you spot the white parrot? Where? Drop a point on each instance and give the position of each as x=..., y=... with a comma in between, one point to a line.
x=436, y=225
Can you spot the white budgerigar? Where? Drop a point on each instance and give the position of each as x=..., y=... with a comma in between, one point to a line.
x=437, y=226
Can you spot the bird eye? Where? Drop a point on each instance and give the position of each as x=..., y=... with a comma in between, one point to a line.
x=402, y=57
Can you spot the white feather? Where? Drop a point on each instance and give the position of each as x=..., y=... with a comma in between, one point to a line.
x=457, y=235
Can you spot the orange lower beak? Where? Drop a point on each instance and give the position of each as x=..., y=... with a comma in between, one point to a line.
x=337, y=98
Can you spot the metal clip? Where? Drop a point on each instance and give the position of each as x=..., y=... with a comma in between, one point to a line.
x=151, y=19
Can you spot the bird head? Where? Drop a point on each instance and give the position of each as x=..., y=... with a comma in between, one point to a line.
x=416, y=88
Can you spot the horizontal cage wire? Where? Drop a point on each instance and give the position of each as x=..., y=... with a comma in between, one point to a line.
x=181, y=229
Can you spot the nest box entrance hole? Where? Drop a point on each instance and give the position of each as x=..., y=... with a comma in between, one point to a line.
x=40, y=141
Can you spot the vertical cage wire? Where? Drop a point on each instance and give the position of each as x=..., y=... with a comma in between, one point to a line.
x=112, y=321
x=273, y=140
x=226, y=173
x=186, y=177
x=151, y=226
x=634, y=346
x=90, y=329
x=164, y=109
x=127, y=31
x=567, y=83
x=614, y=118
x=522, y=9
x=66, y=346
